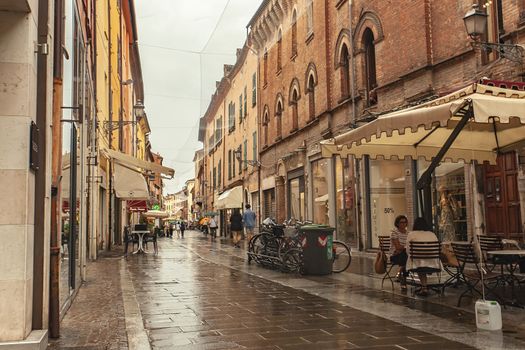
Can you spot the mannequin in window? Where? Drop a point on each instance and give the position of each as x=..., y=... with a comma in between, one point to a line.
x=449, y=213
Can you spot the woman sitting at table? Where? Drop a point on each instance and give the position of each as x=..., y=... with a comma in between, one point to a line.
x=398, y=254
x=421, y=233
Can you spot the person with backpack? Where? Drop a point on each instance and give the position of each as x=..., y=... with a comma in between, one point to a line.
x=212, y=224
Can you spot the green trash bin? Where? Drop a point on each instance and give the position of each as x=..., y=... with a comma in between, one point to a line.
x=317, y=249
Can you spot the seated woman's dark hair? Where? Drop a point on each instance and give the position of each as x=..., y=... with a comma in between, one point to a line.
x=398, y=219
x=420, y=224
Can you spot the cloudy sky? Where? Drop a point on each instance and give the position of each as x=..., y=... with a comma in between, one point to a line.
x=183, y=46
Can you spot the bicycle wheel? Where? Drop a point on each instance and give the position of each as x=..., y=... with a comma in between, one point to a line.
x=292, y=260
x=341, y=256
x=256, y=247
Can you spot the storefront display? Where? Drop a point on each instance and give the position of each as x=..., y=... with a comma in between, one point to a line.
x=345, y=201
x=296, y=197
x=320, y=191
x=449, y=200
x=387, y=196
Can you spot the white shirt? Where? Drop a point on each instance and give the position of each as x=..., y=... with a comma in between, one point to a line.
x=421, y=236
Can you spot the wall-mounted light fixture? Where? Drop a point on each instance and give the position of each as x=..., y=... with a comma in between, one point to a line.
x=476, y=24
x=238, y=156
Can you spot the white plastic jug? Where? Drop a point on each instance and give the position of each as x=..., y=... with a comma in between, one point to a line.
x=488, y=315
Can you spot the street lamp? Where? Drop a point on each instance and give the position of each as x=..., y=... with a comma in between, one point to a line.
x=238, y=155
x=476, y=24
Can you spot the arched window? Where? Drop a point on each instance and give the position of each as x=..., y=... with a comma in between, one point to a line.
x=370, y=66
x=279, y=50
x=295, y=114
x=309, y=17
x=278, y=120
x=344, y=66
x=311, y=98
x=294, y=33
x=265, y=68
x=265, y=128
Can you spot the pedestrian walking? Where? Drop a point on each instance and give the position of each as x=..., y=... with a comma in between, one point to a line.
x=236, y=227
x=248, y=219
x=177, y=228
x=182, y=228
x=212, y=224
x=170, y=231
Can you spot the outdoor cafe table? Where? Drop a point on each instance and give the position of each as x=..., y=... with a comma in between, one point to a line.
x=510, y=259
x=141, y=235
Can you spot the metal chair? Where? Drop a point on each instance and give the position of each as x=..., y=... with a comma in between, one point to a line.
x=487, y=244
x=384, y=247
x=472, y=276
x=129, y=238
x=427, y=251
x=152, y=237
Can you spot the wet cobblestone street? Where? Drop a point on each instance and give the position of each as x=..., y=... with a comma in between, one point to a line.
x=198, y=294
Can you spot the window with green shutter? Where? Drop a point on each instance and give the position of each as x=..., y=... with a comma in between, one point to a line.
x=245, y=102
x=254, y=90
x=245, y=163
x=240, y=108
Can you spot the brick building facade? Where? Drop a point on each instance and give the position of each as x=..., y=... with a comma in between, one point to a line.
x=326, y=67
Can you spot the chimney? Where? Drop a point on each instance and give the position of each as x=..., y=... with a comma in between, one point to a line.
x=239, y=52
x=217, y=83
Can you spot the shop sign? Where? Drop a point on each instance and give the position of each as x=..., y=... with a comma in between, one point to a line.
x=155, y=207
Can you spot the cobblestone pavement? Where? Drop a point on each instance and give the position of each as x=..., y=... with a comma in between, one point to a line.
x=198, y=294
x=96, y=319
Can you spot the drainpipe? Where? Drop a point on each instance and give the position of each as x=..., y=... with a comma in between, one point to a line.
x=109, y=196
x=356, y=162
x=352, y=62
x=41, y=178
x=56, y=171
x=94, y=146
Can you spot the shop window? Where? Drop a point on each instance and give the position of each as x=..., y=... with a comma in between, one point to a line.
x=449, y=200
x=320, y=191
x=269, y=204
x=345, y=202
x=387, y=196
x=296, y=199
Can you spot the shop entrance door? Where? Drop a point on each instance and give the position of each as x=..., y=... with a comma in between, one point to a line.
x=502, y=204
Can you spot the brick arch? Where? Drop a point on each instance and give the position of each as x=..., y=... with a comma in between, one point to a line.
x=294, y=86
x=343, y=38
x=368, y=20
x=311, y=70
x=279, y=98
x=266, y=114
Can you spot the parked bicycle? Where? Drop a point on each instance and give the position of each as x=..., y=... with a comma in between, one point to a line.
x=272, y=248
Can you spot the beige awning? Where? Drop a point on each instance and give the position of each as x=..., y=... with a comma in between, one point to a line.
x=156, y=214
x=131, y=161
x=129, y=183
x=421, y=131
x=230, y=199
